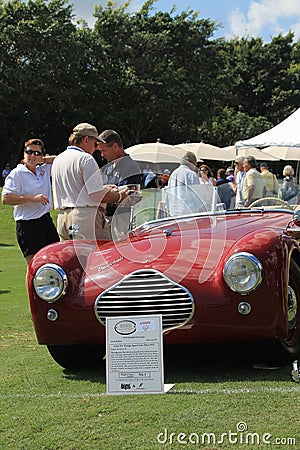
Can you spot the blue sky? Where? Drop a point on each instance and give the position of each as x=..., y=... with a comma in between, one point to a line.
x=265, y=18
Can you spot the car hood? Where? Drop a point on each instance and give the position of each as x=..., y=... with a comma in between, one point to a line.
x=191, y=246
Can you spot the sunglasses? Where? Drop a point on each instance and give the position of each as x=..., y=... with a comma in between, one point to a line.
x=32, y=152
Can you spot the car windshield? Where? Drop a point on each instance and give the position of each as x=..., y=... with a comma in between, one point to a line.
x=178, y=201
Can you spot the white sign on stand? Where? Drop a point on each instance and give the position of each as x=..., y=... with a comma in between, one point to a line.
x=134, y=355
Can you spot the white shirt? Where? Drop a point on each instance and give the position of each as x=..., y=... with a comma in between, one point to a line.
x=181, y=197
x=22, y=181
x=75, y=175
x=239, y=201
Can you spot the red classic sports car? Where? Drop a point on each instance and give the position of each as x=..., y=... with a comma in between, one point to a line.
x=215, y=276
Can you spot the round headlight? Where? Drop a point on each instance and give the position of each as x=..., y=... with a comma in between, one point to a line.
x=50, y=282
x=243, y=272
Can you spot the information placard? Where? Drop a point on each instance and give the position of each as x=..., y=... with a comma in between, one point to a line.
x=134, y=355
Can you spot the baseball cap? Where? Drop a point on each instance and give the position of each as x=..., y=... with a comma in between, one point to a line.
x=86, y=129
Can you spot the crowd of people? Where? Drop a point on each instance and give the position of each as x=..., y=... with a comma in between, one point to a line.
x=237, y=187
x=88, y=197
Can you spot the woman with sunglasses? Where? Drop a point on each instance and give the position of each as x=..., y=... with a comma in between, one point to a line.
x=28, y=188
x=206, y=175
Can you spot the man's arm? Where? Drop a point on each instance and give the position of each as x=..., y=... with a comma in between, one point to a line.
x=108, y=195
x=16, y=199
x=249, y=195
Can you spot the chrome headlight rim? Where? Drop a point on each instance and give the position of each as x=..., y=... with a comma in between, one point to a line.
x=258, y=272
x=62, y=283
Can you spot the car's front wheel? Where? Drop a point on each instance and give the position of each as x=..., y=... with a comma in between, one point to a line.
x=282, y=351
x=77, y=356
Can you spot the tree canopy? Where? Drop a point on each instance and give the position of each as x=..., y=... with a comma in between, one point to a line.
x=146, y=74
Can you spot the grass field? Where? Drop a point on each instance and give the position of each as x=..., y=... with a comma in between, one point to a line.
x=43, y=406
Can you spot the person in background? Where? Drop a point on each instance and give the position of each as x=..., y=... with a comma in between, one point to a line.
x=121, y=170
x=206, y=175
x=145, y=172
x=78, y=188
x=230, y=174
x=181, y=193
x=289, y=189
x=239, y=180
x=5, y=172
x=270, y=179
x=28, y=188
x=221, y=177
x=150, y=180
x=254, y=185
x=163, y=182
x=225, y=188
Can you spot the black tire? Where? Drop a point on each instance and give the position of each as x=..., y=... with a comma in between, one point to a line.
x=77, y=356
x=285, y=350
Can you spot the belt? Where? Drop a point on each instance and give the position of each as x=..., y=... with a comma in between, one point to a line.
x=74, y=207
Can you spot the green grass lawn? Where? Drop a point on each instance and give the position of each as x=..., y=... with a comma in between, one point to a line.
x=43, y=406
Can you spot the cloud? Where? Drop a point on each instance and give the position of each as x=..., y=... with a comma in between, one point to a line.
x=266, y=18
x=237, y=23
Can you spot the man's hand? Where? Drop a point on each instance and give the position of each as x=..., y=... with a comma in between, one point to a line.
x=40, y=198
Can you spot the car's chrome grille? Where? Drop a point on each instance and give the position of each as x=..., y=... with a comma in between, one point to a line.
x=146, y=292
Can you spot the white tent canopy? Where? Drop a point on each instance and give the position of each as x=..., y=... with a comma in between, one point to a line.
x=285, y=134
x=252, y=151
x=205, y=151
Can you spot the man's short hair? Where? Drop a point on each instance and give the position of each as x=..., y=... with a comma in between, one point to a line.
x=111, y=137
x=190, y=157
x=251, y=160
x=264, y=165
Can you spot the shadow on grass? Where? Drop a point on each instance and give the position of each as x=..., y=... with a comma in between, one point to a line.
x=216, y=364
x=199, y=364
x=94, y=374
x=4, y=292
x=6, y=245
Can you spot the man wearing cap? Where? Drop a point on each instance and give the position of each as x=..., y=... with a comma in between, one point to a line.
x=254, y=185
x=78, y=188
x=270, y=179
x=239, y=179
x=121, y=170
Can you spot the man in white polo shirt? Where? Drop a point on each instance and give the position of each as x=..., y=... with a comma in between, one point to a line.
x=78, y=188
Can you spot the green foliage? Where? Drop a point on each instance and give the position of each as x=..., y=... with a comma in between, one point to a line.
x=148, y=74
x=158, y=64
x=42, y=72
x=231, y=126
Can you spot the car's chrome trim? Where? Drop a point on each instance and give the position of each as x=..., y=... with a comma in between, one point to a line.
x=229, y=212
x=145, y=292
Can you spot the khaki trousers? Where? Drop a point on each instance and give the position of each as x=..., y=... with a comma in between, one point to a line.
x=90, y=220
